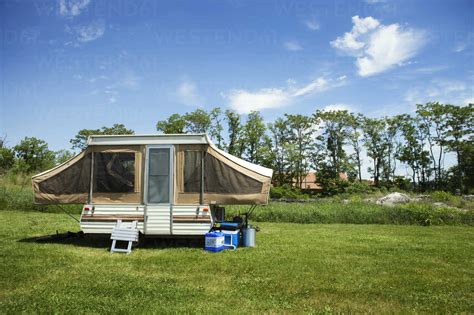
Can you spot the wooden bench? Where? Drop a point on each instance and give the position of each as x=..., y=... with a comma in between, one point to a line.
x=91, y=218
x=191, y=219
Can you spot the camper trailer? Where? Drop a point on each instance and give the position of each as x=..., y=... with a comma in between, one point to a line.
x=170, y=184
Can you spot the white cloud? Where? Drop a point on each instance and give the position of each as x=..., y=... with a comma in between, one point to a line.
x=70, y=8
x=469, y=100
x=460, y=47
x=130, y=80
x=244, y=101
x=441, y=90
x=375, y=1
x=336, y=107
x=97, y=78
x=318, y=85
x=111, y=92
x=431, y=69
x=463, y=43
x=187, y=93
x=312, y=25
x=293, y=46
x=379, y=47
x=90, y=32
x=352, y=42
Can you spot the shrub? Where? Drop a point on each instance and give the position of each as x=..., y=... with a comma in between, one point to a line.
x=442, y=196
x=286, y=191
x=403, y=183
x=7, y=159
x=359, y=188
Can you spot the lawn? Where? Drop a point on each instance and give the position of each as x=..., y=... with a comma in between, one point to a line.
x=320, y=268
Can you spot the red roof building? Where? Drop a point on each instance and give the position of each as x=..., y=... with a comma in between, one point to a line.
x=310, y=182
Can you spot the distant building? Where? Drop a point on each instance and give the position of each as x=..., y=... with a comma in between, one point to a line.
x=310, y=182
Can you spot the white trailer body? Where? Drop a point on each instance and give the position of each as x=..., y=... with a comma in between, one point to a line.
x=168, y=183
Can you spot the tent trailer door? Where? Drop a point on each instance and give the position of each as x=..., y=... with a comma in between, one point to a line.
x=158, y=193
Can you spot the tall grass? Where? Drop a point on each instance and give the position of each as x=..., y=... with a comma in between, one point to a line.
x=358, y=212
x=16, y=194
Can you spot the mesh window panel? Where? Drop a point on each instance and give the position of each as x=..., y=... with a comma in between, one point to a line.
x=73, y=180
x=192, y=171
x=114, y=172
x=221, y=178
x=159, y=176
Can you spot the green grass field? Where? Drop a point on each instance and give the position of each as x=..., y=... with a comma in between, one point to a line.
x=319, y=268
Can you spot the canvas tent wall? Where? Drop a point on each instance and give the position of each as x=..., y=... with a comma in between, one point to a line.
x=112, y=170
x=99, y=174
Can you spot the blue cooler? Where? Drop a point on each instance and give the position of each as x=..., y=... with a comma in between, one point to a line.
x=214, y=242
x=231, y=239
x=226, y=225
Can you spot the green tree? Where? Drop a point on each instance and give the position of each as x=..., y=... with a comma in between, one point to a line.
x=355, y=134
x=334, y=134
x=466, y=175
x=62, y=156
x=235, y=146
x=300, y=129
x=390, y=137
x=7, y=158
x=3, y=142
x=175, y=124
x=254, y=137
x=216, y=127
x=375, y=144
x=279, y=137
x=267, y=155
x=198, y=121
x=459, y=135
x=412, y=150
x=433, y=116
x=33, y=155
x=80, y=140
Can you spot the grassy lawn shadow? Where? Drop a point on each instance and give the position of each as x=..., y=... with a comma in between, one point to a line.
x=103, y=241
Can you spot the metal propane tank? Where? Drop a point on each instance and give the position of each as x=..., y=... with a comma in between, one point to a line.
x=248, y=236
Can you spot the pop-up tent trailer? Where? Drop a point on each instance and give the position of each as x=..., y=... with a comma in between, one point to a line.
x=170, y=184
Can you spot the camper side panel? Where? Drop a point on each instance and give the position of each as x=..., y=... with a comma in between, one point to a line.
x=191, y=220
x=158, y=220
x=105, y=217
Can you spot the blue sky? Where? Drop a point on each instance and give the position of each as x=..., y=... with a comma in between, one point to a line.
x=73, y=64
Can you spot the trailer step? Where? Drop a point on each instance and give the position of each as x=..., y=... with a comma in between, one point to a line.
x=127, y=232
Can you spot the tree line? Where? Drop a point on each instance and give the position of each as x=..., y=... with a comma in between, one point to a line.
x=329, y=142
x=337, y=142
x=32, y=155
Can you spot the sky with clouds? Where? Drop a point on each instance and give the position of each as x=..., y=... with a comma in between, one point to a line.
x=73, y=64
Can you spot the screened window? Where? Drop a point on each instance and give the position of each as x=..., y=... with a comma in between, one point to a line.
x=192, y=171
x=114, y=172
x=72, y=180
x=223, y=179
x=159, y=176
